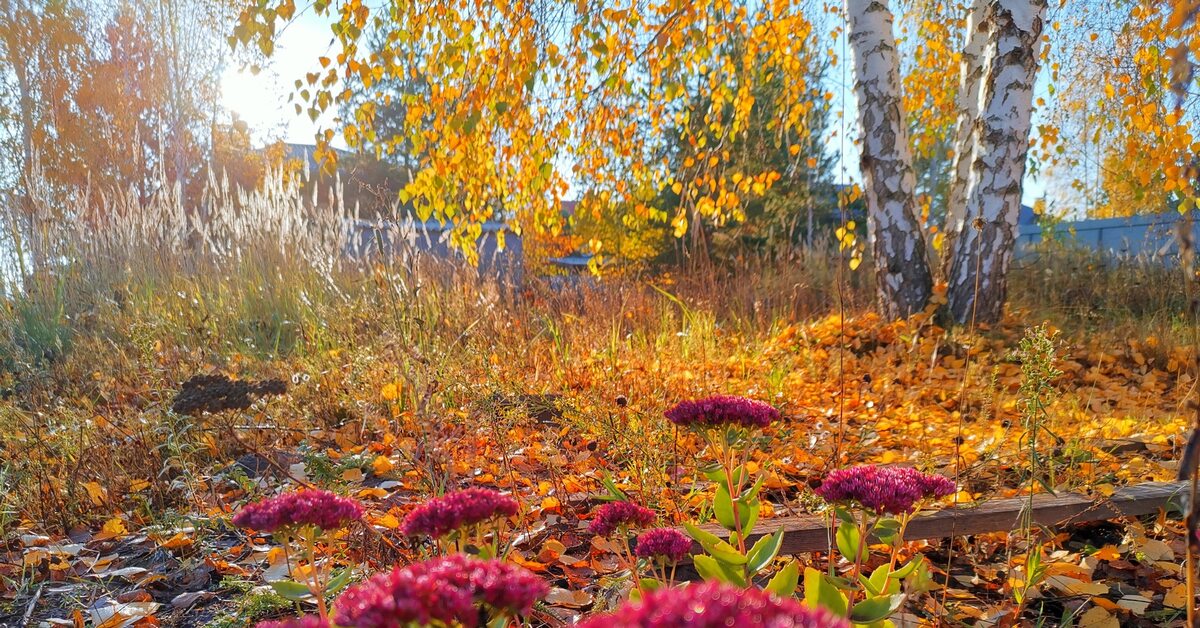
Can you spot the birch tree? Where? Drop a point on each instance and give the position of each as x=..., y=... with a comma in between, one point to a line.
x=971, y=74
x=902, y=275
x=982, y=251
x=999, y=65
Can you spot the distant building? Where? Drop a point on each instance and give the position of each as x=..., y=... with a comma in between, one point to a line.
x=1149, y=235
x=1027, y=216
x=305, y=153
x=410, y=239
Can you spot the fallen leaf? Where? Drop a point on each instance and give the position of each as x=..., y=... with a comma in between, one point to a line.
x=96, y=493
x=381, y=465
x=180, y=540
x=1097, y=617
x=112, y=529
x=569, y=599
x=126, y=572
x=187, y=600
x=1176, y=597
x=1136, y=604
x=1108, y=552
x=374, y=493
x=387, y=520
x=1074, y=586
x=111, y=614
x=1155, y=550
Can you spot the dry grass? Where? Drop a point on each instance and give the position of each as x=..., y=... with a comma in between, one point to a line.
x=93, y=349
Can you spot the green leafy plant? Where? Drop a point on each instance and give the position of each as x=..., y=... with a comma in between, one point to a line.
x=1036, y=354
x=302, y=522
x=872, y=503
x=731, y=430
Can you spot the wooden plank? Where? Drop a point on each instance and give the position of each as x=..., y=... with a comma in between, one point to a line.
x=809, y=533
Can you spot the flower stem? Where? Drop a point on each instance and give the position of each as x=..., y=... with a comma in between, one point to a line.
x=316, y=587
x=630, y=560
x=729, y=486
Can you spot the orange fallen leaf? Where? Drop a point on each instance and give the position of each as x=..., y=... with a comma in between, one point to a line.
x=113, y=528
x=1108, y=552
x=387, y=520
x=96, y=493
x=375, y=493
x=180, y=540
x=381, y=465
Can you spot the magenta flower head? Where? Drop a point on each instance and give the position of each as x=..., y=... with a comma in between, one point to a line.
x=714, y=605
x=309, y=507
x=447, y=590
x=884, y=490
x=442, y=515
x=307, y=621
x=670, y=545
x=721, y=410
x=615, y=515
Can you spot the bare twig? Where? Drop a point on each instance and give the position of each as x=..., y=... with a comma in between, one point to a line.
x=32, y=605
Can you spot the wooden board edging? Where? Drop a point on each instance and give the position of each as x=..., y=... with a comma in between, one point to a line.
x=810, y=533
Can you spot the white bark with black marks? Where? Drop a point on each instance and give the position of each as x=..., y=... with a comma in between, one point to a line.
x=902, y=273
x=971, y=72
x=982, y=252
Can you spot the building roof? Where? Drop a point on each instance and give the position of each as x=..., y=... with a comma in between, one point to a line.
x=490, y=226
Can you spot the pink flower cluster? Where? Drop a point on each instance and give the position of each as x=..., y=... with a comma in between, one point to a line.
x=442, y=515
x=714, y=605
x=307, y=621
x=309, y=507
x=890, y=490
x=722, y=410
x=615, y=515
x=663, y=543
x=446, y=590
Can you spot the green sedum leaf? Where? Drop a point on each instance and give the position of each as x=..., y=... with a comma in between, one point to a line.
x=875, y=609
x=340, y=580
x=293, y=591
x=723, y=508
x=716, y=546
x=785, y=582
x=820, y=592
x=763, y=552
x=849, y=542
x=710, y=568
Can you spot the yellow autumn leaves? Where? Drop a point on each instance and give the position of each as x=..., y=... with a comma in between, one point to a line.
x=521, y=101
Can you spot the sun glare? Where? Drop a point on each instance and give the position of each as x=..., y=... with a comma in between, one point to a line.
x=261, y=99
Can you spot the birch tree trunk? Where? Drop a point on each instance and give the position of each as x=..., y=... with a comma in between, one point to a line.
x=23, y=61
x=982, y=252
x=970, y=79
x=902, y=276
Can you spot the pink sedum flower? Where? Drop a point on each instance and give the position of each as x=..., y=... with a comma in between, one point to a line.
x=448, y=590
x=614, y=515
x=884, y=490
x=714, y=605
x=665, y=543
x=307, y=621
x=309, y=507
x=442, y=515
x=721, y=410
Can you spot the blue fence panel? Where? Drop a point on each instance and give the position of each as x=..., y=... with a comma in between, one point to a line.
x=1147, y=236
